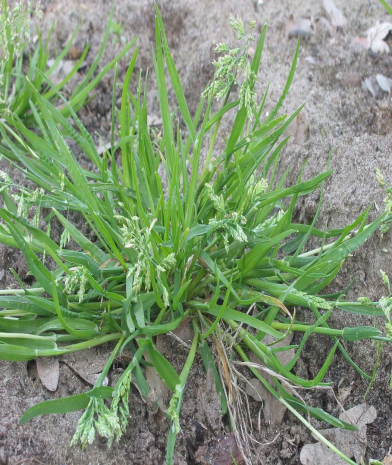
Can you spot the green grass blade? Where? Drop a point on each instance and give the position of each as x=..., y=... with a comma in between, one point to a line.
x=162, y=366
x=287, y=85
x=176, y=83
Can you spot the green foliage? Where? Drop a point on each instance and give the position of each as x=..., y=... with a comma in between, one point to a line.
x=14, y=38
x=207, y=242
x=386, y=6
x=235, y=68
x=386, y=226
x=117, y=30
x=22, y=77
x=386, y=306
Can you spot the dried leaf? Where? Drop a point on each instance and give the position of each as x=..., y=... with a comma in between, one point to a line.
x=208, y=403
x=92, y=378
x=379, y=46
x=158, y=390
x=367, y=84
x=184, y=330
x=379, y=31
x=384, y=82
x=48, y=372
x=351, y=443
x=220, y=451
x=225, y=368
x=359, y=415
x=375, y=36
x=159, y=418
x=89, y=378
x=301, y=129
x=387, y=460
x=337, y=17
x=273, y=410
x=343, y=394
x=315, y=454
x=87, y=364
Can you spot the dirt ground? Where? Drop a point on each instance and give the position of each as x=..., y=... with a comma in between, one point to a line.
x=339, y=115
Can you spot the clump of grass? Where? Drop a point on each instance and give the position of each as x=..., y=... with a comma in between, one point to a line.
x=20, y=74
x=215, y=243
x=14, y=36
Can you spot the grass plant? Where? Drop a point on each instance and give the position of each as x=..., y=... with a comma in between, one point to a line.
x=211, y=241
x=22, y=64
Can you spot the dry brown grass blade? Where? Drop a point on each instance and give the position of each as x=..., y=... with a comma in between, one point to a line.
x=277, y=303
x=225, y=368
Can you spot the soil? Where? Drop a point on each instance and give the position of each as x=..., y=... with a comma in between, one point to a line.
x=338, y=115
